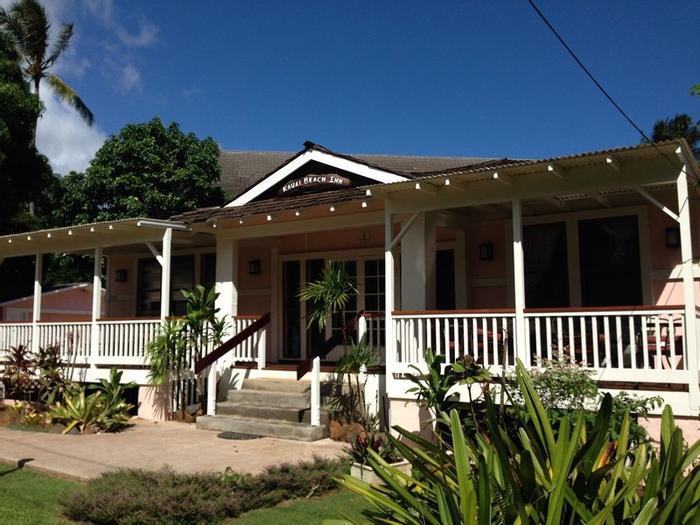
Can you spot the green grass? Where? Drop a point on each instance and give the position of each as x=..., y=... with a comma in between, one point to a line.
x=31, y=497
x=310, y=511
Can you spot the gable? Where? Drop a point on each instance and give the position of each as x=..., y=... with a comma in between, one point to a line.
x=314, y=170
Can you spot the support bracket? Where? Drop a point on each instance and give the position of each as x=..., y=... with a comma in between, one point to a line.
x=403, y=230
x=155, y=252
x=656, y=203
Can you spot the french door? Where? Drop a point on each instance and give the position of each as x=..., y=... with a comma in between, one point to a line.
x=300, y=340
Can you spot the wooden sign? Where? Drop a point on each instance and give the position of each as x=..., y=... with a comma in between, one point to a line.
x=327, y=181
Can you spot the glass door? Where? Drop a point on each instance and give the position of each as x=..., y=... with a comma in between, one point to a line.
x=611, y=272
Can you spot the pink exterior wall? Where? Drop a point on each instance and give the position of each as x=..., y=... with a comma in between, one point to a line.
x=122, y=296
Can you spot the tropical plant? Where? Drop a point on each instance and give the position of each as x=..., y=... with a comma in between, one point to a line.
x=378, y=443
x=28, y=24
x=352, y=405
x=567, y=390
x=19, y=373
x=27, y=414
x=25, y=173
x=573, y=476
x=115, y=410
x=79, y=410
x=435, y=387
x=166, y=356
x=52, y=378
x=680, y=126
x=328, y=295
x=203, y=328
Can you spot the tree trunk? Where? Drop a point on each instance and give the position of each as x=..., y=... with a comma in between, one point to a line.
x=37, y=80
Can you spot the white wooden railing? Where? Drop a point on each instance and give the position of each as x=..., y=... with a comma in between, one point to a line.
x=123, y=342
x=642, y=344
x=484, y=335
x=629, y=338
x=15, y=334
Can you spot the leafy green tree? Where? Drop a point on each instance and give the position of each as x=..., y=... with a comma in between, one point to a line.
x=28, y=24
x=145, y=170
x=680, y=126
x=24, y=171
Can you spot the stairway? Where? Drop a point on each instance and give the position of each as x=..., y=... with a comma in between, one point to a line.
x=269, y=407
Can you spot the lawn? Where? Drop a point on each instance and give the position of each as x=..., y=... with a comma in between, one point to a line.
x=310, y=511
x=27, y=496
x=30, y=497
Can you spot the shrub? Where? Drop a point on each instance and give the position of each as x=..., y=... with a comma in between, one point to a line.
x=52, y=378
x=573, y=476
x=104, y=409
x=567, y=390
x=19, y=372
x=79, y=410
x=166, y=497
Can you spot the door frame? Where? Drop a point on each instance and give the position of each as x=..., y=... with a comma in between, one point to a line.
x=571, y=219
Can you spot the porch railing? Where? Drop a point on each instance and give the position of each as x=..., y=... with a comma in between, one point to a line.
x=613, y=341
x=484, y=335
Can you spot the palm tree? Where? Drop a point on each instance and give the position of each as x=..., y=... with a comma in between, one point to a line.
x=679, y=127
x=28, y=24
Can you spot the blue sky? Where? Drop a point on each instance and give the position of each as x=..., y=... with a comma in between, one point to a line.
x=411, y=77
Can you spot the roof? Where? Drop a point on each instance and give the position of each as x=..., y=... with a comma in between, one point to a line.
x=58, y=290
x=242, y=169
x=85, y=236
x=475, y=170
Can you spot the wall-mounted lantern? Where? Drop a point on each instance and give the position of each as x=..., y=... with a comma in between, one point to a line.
x=254, y=267
x=120, y=276
x=673, y=237
x=486, y=251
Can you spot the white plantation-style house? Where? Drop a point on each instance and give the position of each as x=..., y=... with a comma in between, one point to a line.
x=590, y=256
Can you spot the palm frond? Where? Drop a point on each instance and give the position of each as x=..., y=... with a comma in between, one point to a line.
x=60, y=45
x=36, y=26
x=66, y=93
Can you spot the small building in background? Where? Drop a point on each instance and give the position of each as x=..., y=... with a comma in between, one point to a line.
x=69, y=302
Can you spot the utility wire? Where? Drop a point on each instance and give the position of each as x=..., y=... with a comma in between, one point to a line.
x=593, y=79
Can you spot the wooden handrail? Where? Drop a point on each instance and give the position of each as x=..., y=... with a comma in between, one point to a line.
x=237, y=339
x=333, y=341
x=563, y=310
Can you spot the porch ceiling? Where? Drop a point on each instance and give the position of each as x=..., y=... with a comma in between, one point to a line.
x=85, y=237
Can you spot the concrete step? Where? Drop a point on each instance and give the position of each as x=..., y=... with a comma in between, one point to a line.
x=271, y=384
x=292, y=415
x=263, y=398
x=262, y=427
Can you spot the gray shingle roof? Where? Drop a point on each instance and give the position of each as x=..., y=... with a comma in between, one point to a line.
x=242, y=169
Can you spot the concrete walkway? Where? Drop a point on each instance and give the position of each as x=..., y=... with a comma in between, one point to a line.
x=151, y=445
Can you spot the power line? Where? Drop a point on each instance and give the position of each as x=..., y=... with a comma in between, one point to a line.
x=593, y=79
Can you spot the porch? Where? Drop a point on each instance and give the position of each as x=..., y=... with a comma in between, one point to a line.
x=582, y=258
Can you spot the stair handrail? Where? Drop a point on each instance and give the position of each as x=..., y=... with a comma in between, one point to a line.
x=329, y=344
x=233, y=342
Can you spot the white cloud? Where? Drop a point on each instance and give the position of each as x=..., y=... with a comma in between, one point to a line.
x=64, y=138
x=145, y=36
x=130, y=77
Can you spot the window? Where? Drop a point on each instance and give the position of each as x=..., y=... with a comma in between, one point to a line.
x=374, y=296
x=208, y=270
x=181, y=277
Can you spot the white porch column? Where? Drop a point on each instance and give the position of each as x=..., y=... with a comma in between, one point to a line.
x=165, y=273
x=36, y=307
x=96, y=305
x=389, y=275
x=689, y=298
x=521, y=343
x=418, y=265
x=227, y=277
x=226, y=302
